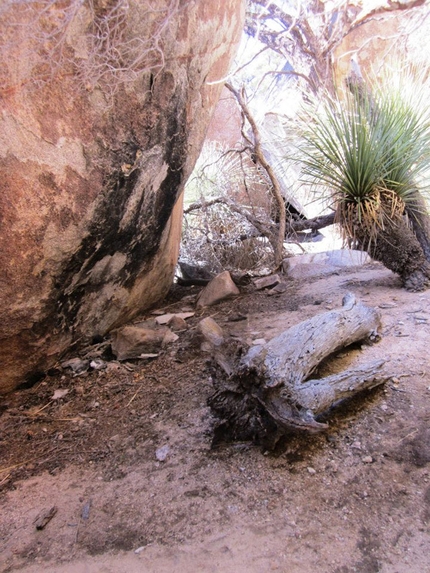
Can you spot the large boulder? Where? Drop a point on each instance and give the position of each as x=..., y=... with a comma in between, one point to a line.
x=104, y=110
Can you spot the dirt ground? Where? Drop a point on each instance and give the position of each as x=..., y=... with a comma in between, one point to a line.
x=355, y=498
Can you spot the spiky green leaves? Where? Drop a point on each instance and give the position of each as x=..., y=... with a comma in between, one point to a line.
x=370, y=147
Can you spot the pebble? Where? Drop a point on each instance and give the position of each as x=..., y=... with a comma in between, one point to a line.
x=98, y=364
x=60, y=393
x=162, y=453
x=139, y=550
x=311, y=471
x=367, y=459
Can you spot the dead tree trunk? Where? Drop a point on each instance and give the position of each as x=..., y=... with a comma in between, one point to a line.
x=269, y=392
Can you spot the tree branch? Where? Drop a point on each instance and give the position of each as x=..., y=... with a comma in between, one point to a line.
x=314, y=224
x=276, y=189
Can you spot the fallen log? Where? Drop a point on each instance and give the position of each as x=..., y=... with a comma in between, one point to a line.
x=268, y=393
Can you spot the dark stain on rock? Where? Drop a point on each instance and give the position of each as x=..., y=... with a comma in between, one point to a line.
x=138, y=238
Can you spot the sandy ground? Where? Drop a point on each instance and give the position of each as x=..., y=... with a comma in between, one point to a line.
x=353, y=499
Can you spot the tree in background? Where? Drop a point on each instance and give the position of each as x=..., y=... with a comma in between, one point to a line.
x=290, y=52
x=307, y=33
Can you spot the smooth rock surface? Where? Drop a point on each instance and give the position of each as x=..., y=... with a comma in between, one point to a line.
x=211, y=331
x=267, y=282
x=314, y=264
x=93, y=161
x=132, y=341
x=220, y=288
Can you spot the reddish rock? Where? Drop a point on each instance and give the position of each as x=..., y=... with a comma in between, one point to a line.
x=220, y=288
x=177, y=323
x=267, y=282
x=93, y=161
x=211, y=331
x=132, y=341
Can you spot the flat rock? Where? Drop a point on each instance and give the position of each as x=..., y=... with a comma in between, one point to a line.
x=60, y=393
x=220, y=288
x=166, y=318
x=314, y=264
x=267, y=282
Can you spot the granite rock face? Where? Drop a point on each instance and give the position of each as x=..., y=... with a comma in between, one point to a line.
x=94, y=155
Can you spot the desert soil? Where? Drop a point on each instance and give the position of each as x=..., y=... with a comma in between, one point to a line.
x=355, y=498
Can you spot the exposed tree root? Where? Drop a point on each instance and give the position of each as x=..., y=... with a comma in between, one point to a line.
x=269, y=393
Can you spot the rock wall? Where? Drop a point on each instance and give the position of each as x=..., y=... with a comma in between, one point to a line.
x=396, y=34
x=94, y=153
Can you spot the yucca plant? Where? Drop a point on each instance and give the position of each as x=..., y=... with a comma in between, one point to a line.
x=370, y=149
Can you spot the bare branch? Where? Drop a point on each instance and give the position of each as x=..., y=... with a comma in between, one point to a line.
x=276, y=188
x=293, y=226
x=203, y=204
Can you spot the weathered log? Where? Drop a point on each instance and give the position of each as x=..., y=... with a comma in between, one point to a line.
x=268, y=393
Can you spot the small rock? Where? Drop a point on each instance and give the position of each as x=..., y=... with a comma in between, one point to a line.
x=162, y=453
x=266, y=282
x=278, y=289
x=259, y=342
x=387, y=305
x=76, y=364
x=311, y=471
x=132, y=341
x=169, y=337
x=220, y=288
x=166, y=318
x=367, y=459
x=60, y=393
x=211, y=331
x=139, y=550
x=177, y=323
x=98, y=364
